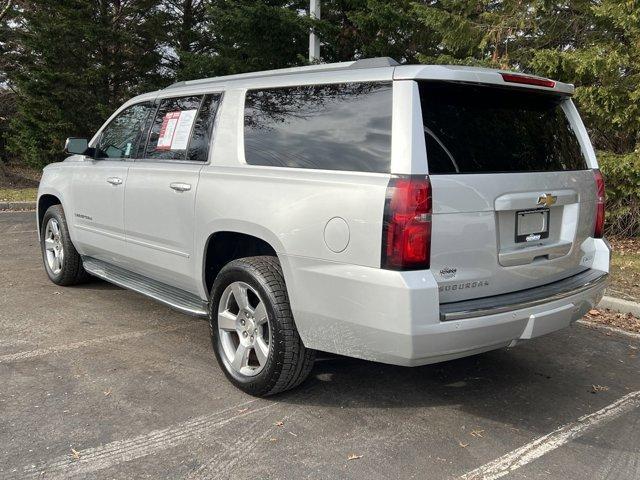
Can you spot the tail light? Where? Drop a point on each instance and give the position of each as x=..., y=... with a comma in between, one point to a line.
x=598, y=231
x=526, y=80
x=406, y=230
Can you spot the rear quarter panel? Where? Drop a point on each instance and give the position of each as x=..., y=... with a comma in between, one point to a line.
x=287, y=207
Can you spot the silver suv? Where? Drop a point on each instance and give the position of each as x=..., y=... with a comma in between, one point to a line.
x=401, y=214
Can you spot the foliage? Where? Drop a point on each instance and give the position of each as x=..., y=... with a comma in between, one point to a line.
x=7, y=111
x=72, y=62
x=622, y=181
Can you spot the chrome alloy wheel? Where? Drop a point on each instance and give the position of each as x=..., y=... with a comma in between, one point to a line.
x=53, y=248
x=243, y=329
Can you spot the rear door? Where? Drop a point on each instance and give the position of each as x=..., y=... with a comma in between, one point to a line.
x=161, y=190
x=513, y=199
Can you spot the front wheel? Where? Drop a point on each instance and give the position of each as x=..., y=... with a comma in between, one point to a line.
x=252, y=330
x=61, y=260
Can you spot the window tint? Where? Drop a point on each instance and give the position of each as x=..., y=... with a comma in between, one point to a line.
x=203, y=129
x=120, y=137
x=334, y=127
x=480, y=129
x=171, y=128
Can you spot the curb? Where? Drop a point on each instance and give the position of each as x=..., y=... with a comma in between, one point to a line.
x=17, y=206
x=607, y=328
x=619, y=305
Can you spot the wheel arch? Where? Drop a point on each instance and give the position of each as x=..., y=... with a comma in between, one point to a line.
x=45, y=201
x=227, y=244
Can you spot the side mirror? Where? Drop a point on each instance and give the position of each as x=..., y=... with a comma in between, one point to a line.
x=76, y=146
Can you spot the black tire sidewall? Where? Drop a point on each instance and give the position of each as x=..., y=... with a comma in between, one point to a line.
x=263, y=381
x=53, y=212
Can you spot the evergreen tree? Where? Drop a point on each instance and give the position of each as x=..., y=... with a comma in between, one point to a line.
x=72, y=63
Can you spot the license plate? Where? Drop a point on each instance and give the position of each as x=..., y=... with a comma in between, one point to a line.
x=532, y=225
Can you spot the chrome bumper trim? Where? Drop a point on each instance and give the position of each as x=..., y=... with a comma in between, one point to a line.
x=532, y=297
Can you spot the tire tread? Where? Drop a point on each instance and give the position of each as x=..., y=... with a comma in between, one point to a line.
x=73, y=272
x=298, y=360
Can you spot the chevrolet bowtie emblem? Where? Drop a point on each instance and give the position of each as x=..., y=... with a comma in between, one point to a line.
x=546, y=200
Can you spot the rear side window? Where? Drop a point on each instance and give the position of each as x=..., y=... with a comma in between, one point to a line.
x=203, y=128
x=171, y=128
x=483, y=129
x=332, y=127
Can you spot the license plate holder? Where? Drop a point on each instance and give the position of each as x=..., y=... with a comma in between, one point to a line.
x=532, y=225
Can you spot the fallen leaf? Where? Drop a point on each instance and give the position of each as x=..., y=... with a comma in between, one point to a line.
x=354, y=456
x=279, y=423
x=107, y=392
x=594, y=312
x=75, y=453
x=273, y=439
x=598, y=388
x=477, y=433
x=463, y=445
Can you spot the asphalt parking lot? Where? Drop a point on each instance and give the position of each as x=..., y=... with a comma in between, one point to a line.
x=100, y=382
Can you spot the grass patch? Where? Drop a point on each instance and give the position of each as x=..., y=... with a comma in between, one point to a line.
x=18, y=194
x=625, y=269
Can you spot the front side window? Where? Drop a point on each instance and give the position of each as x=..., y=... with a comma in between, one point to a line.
x=333, y=127
x=121, y=136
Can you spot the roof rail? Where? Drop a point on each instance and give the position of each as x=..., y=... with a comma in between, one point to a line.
x=322, y=67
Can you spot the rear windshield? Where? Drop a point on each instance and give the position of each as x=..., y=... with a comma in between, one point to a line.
x=483, y=129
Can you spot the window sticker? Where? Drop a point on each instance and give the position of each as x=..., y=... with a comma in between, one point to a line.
x=175, y=130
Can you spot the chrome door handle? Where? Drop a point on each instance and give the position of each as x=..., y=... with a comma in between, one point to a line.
x=180, y=187
x=114, y=180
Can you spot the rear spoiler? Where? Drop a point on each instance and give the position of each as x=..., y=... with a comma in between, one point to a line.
x=454, y=73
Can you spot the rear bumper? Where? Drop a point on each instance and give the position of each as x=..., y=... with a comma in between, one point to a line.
x=395, y=317
x=532, y=297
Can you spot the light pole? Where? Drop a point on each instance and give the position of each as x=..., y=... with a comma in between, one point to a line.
x=314, y=41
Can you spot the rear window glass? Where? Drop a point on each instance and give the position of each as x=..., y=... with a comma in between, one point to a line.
x=333, y=127
x=482, y=129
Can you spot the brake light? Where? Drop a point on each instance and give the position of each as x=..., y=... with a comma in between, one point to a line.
x=598, y=231
x=406, y=229
x=540, y=82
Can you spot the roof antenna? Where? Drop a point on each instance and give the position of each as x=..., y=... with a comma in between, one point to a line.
x=314, y=41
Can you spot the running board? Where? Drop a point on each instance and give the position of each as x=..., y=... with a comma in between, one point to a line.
x=175, y=298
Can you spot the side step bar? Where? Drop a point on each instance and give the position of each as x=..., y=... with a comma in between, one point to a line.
x=175, y=298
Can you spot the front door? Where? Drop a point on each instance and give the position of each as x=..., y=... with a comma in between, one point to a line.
x=161, y=191
x=99, y=186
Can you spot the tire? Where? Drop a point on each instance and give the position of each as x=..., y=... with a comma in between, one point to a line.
x=287, y=362
x=55, y=242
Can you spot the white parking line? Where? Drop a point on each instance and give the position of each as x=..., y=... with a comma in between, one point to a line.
x=99, y=458
x=545, y=444
x=12, y=357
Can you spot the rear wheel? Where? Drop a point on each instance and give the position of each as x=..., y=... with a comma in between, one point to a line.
x=61, y=259
x=252, y=330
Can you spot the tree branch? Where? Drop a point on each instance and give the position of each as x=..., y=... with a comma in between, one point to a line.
x=5, y=9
